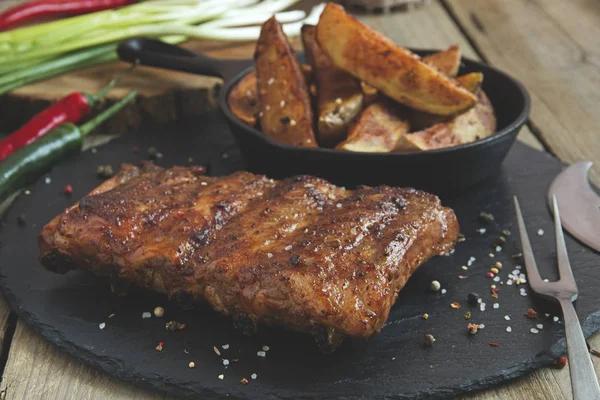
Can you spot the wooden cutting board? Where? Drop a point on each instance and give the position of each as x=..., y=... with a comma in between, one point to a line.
x=164, y=95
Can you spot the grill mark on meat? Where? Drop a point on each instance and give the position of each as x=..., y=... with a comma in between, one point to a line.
x=299, y=252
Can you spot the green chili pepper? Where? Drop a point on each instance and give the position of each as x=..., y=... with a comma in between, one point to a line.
x=28, y=163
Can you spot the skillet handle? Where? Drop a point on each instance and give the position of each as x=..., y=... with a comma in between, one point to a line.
x=155, y=53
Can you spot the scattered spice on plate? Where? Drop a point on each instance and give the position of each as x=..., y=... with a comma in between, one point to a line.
x=425, y=316
x=473, y=299
x=486, y=216
x=561, y=362
x=463, y=277
x=244, y=380
x=468, y=315
x=160, y=346
x=111, y=315
x=472, y=329
x=159, y=312
x=455, y=305
x=174, y=326
x=104, y=171
x=494, y=270
x=192, y=364
x=494, y=344
x=429, y=339
x=434, y=286
x=531, y=313
x=216, y=350
x=68, y=190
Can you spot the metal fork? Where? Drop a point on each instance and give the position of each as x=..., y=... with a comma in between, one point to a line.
x=584, y=382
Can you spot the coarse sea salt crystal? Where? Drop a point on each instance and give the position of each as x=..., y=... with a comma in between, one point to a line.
x=269, y=255
x=266, y=348
x=225, y=346
x=496, y=279
x=221, y=376
x=261, y=354
x=482, y=307
x=498, y=249
x=102, y=325
x=507, y=317
x=555, y=319
x=496, y=305
x=540, y=232
x=508, y=329
x=509, y=283
x=225, y=362
x=253, y=376
x=539, y=326
x=533, y=330
x=288, y=248
x=146, y=315
x=443, y=291
x=481, y=326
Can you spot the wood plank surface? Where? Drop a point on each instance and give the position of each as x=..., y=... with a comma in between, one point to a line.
x=38, y=370
x=553, y=48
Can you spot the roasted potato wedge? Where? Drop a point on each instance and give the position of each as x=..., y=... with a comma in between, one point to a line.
x=284, y=98
x=472, y=81
x=378, y=128
x=243, y=98
x=395, y=71
x=447, y=61
x=477, y=123
x=339, y=94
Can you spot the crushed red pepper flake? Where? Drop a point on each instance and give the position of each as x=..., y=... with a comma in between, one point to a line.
x=235, y=360
x=69, y=190
x=495, y=295
x=160, y=346
x=531, y=313
x=494, y=344
x=462, y=277
x=455, y=305
x=472, y=329
x=244, y=381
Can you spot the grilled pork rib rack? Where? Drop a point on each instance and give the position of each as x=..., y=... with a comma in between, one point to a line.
x=299, y=252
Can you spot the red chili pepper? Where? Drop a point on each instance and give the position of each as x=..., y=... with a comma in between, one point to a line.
x=51, y=8
x=71, y=108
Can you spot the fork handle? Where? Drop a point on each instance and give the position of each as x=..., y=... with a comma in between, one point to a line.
x=584, y=382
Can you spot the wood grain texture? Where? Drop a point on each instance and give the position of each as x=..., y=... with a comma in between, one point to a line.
x=552, y=47
x=36, y=369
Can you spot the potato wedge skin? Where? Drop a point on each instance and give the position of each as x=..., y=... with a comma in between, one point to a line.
x=447, y=61
x=394, y=70
x=243, y=97
x=472, y=81
x=243, y=100
x=378, y=128
x=285, y=109
x=339, y=94
x=477, y=123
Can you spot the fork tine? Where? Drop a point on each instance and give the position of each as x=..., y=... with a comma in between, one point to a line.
x=533, y=275
x=564, y=266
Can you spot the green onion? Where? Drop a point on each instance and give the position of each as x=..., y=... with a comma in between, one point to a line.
x=41, y=51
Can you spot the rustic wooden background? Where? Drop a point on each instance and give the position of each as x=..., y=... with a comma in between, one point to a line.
x=552, y=46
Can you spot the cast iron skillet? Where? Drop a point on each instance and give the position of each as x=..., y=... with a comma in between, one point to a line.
x=450, y=170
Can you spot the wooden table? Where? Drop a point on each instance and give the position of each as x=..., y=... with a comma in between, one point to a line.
x=550, y=45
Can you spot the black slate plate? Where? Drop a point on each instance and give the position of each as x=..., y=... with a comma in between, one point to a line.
x=67, y=310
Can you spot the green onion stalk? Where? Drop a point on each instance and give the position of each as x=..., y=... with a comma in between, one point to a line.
x=42, y=51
